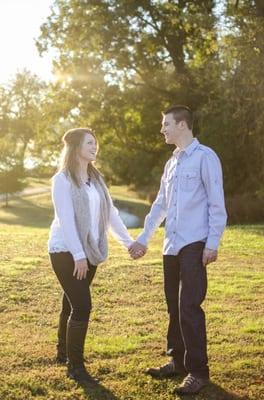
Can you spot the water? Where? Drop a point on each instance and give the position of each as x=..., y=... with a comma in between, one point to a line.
x=130, y=220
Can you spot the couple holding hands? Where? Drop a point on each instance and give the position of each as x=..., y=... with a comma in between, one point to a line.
x=190, y=198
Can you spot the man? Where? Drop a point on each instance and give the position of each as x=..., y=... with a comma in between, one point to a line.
x=191, y=198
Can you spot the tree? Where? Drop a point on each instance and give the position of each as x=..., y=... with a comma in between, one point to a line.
x=126, y=61
x=238, y=108
x=122, y=62
x=20, y=112
x=11, y=174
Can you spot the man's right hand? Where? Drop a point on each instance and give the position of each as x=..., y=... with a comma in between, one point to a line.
x=209, y=256
x=80, y=269
x=137, y=250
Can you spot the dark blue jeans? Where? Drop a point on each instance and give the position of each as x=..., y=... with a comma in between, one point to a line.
x=185, y=284
x=76, y=299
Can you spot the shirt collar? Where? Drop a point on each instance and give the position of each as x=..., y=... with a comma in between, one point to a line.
x=189, y=149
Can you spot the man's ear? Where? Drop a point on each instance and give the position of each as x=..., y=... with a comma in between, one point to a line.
x=182, y=125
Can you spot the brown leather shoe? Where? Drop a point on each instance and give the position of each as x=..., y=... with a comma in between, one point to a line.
x=191, y=385
x=165, y=371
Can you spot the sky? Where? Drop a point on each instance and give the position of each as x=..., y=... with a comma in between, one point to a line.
x=20, y=21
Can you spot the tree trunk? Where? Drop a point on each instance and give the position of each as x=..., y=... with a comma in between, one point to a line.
x=260, y=8
x=6, y=199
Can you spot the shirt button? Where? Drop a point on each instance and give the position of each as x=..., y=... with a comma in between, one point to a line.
x=174, y=232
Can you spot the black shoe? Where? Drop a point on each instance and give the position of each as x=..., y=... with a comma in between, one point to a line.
x=191, y=385
x=81, y=375
x=165, y=371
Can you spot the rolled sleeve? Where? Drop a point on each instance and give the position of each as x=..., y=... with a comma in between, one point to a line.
x=213, y=182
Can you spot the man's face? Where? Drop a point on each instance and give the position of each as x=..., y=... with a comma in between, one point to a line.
x=171, y=129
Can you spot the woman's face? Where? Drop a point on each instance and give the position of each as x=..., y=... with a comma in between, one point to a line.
x=88, y=148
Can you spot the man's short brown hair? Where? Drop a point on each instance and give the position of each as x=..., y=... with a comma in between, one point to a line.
x=181, y=113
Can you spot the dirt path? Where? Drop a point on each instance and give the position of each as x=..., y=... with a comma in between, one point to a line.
x=26, y=192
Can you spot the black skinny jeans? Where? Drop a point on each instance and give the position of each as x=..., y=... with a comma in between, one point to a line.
x=76, y=299
x=185, y=284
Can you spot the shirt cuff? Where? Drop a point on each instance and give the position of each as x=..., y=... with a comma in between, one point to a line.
x=212, y=242
x=128, y=242
x=79, y=256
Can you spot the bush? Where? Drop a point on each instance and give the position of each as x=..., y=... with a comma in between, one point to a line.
x=245, y=208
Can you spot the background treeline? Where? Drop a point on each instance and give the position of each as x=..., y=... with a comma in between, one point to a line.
x=118, y=64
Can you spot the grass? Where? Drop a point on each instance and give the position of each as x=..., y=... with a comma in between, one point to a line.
x=129, y=319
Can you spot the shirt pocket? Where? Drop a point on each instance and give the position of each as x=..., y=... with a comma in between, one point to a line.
x=189, y=180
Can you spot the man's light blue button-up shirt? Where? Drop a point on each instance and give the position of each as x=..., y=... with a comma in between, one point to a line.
x=191, y=198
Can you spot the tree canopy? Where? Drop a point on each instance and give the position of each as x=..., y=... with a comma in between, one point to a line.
x=120, y=63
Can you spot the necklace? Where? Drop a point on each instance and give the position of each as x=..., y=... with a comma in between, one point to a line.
x=88, y=182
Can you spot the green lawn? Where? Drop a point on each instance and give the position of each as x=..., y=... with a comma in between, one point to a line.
x=129, y=319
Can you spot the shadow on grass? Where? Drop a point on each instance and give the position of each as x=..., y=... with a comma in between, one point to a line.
x=213, y=392
x=25, y=212
x=97, y=391
x=217, y=392
x=92, y=391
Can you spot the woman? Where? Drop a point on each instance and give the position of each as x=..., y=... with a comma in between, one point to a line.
x=78, y=241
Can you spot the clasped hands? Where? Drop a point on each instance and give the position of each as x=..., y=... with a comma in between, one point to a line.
x=137, y=250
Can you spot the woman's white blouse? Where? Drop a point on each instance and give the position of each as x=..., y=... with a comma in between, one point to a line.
x=63, y=232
